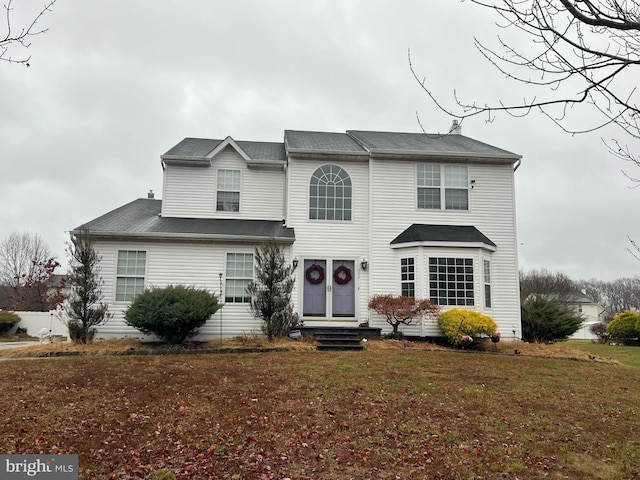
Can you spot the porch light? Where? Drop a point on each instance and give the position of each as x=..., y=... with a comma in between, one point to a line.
x=364, y=263
x=295, y=262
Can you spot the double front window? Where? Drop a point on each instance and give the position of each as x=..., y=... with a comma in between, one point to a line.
x=442, y=185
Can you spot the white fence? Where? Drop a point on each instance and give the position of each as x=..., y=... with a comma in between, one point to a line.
x=35, y=321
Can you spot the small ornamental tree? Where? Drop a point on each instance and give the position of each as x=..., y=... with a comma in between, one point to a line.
x=271, y=292
x=548, y=320
x=173, y=313
x=458, y=323
x=399, y=310
x=84, y=310
x=624, y=326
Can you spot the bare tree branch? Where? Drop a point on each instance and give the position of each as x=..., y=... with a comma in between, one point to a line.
x=578, y=53
x=20, y=37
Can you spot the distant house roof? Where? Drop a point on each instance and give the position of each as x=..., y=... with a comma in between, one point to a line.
x=439, y=234
x=356, y=143
x=570, y=297
x=142, y=218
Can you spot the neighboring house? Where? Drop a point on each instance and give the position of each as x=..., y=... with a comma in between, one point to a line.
x=584, y=305
x=357, y=213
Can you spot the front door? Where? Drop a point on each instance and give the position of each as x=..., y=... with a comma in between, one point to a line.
x=329, y=288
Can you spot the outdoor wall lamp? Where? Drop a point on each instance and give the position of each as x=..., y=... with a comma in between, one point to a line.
x=364, y=263
x=295, y=262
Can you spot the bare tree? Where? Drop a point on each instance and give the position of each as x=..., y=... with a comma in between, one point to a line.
x=615, y=296
x=553, y=285
x=20, y=37
x=573, y=53
x=20, y=254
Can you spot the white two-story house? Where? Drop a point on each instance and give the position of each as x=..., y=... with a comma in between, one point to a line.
x=357, y=213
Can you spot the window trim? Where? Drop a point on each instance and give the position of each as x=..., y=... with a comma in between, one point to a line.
x=219, y=190
x=442, y=187
x=316, y=198
x=233, y=278
x=467, y=300
x=486, y=282
x=408, y=278
x=125, y=276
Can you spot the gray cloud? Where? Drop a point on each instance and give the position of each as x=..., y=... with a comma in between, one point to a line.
x=115, y=84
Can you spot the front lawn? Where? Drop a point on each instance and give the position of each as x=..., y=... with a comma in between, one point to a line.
x=379, y=414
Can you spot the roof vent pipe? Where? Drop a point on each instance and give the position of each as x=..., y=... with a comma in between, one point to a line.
x=456, y=128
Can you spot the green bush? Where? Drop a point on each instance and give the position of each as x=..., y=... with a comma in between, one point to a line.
x=624, y=325
x=173, y=313
x=7, y=321
x=548, y=321
x=458, y=322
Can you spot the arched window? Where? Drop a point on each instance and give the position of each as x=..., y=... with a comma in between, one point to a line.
x=330, y=194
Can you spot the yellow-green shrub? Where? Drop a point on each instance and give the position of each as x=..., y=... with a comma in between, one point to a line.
x=457, y=322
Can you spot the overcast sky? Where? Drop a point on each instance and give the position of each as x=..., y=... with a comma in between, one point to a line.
x=114, y=84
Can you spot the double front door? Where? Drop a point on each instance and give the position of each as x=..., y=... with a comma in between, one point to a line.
x=329, y=288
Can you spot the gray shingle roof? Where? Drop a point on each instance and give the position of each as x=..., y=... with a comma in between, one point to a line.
x=354, y=142
x=426, y=143
x=201, y=147
x=321, y=141
x=142, y=217
x=442, y=233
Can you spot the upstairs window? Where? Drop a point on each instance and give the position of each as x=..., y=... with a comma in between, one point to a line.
x=330, y=194
x=130, y=274
x=439, y=185
x=407, y=277
x=228, y=199
x=451, y=281
x=239, y=275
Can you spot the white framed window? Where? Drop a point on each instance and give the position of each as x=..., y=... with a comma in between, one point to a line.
x=228, y=192
x=330, y=193
x=451, y=281
x=442, y=185
x=239, y=275
x=487, y=283
x=407, y=277
x=130, y=272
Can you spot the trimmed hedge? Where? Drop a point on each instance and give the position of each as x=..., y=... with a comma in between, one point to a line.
x=173, y=313
x=458, y=322
x=7, y=321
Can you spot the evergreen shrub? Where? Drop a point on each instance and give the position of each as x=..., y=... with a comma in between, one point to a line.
x=7, y=321
x=624, y=325
x=173, y=313
x=459, y=322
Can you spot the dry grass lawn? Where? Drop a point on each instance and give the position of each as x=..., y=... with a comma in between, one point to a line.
x=415, y=411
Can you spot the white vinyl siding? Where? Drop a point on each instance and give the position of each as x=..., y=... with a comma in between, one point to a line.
x=191, y=192
x=130, y=273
